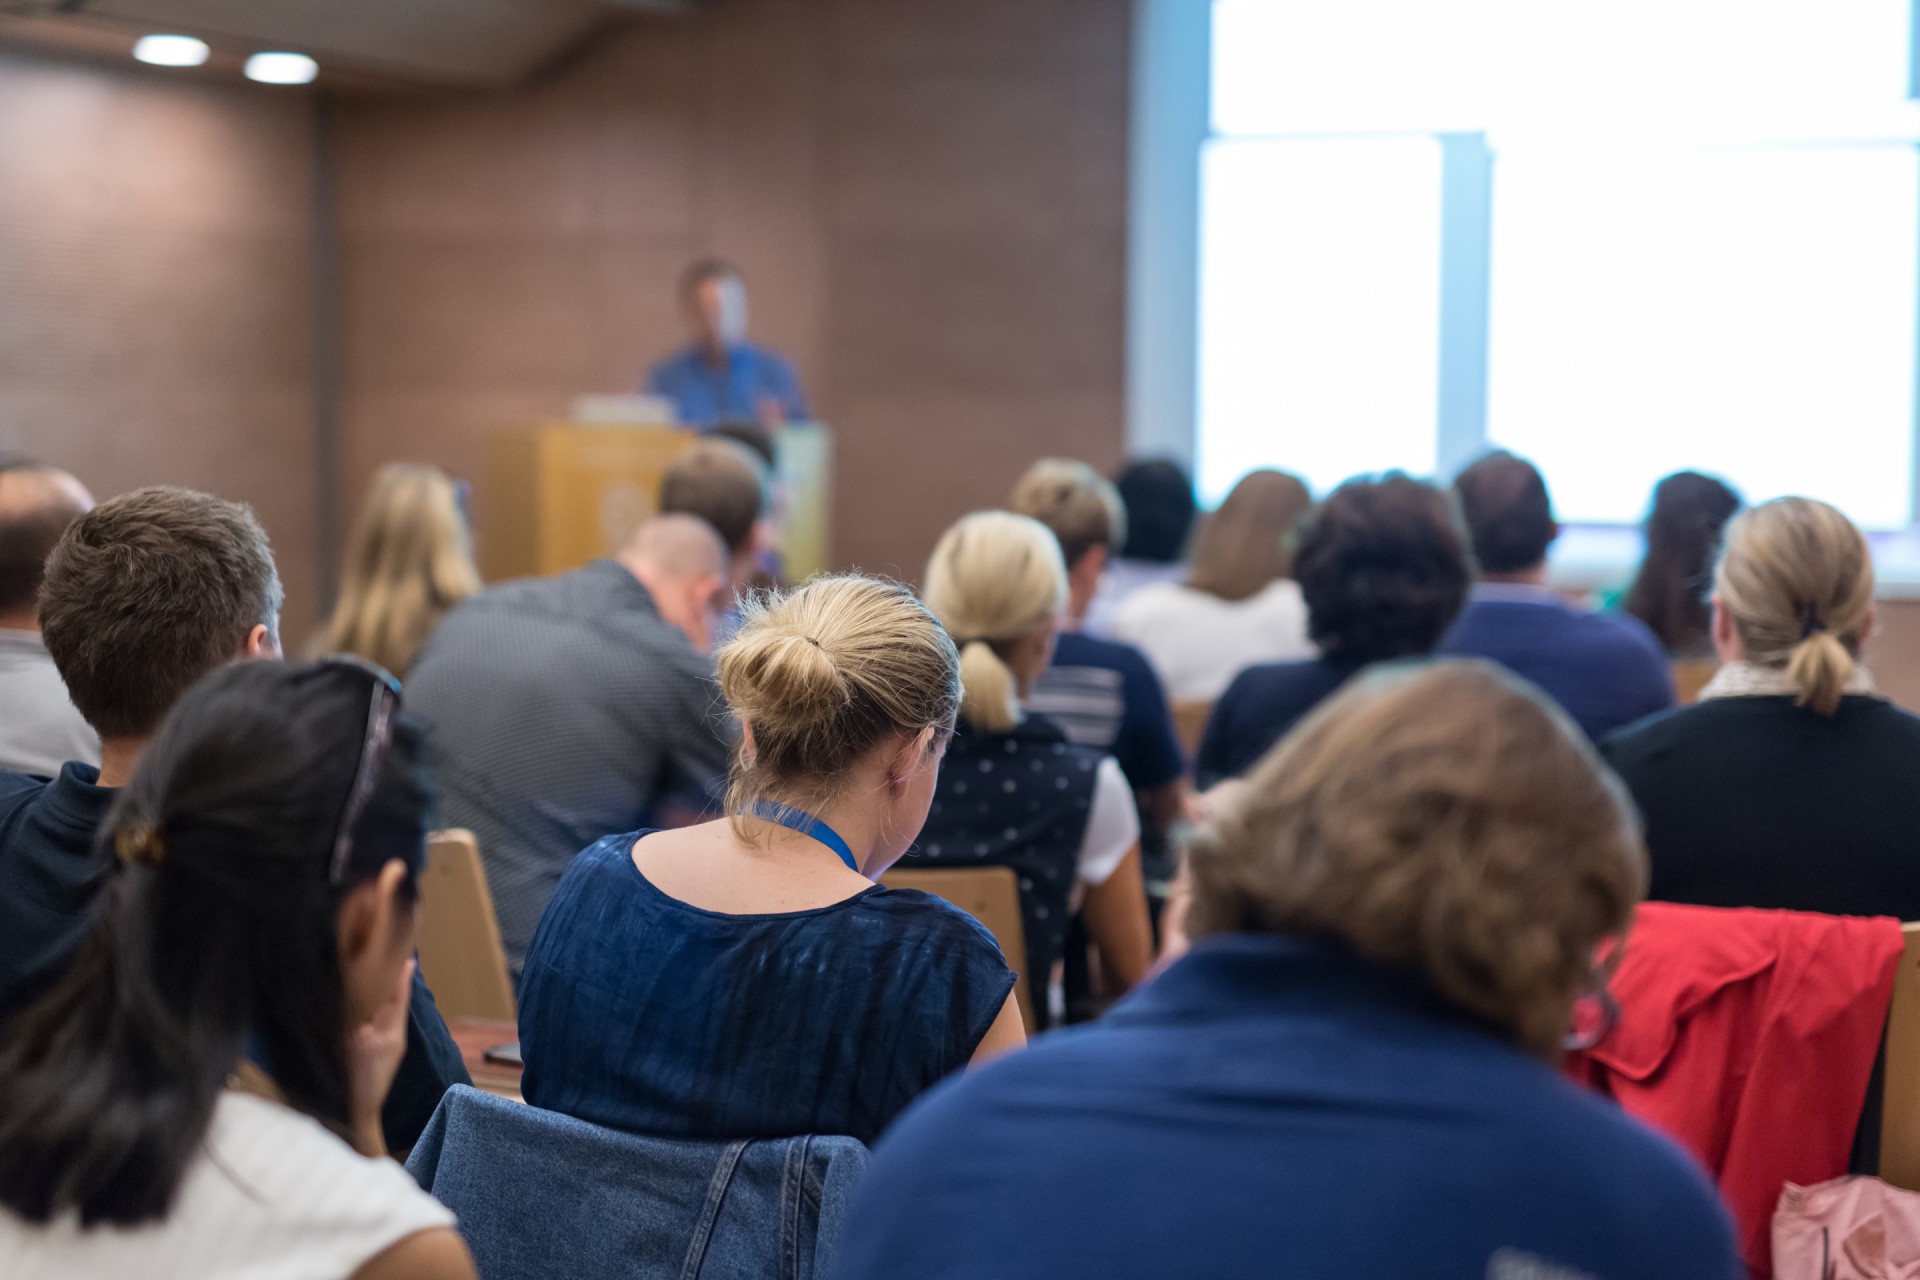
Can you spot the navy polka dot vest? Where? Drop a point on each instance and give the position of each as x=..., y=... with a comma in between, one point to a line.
x=1019, y=799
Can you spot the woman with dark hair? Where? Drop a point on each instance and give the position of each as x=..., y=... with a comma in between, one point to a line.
x=1683, y=530
x=1239, y=603
x=200, y=1095
x=1157, y=497
x=1383, y=566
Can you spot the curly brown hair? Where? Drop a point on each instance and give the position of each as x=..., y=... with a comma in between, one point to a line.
x=1444, y=820
x=1384, y=570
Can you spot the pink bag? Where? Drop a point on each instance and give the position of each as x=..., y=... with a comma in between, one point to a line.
x=1847, y=1229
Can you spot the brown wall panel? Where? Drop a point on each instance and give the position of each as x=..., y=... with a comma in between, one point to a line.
x=155, y=290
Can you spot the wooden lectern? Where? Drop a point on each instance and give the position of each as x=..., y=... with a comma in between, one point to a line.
x=561, y=494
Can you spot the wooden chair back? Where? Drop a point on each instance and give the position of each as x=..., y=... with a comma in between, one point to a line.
x=1190, y=718
x=1900, y=1105
x=459, y=937
x=990, y=895
x=1690, y=676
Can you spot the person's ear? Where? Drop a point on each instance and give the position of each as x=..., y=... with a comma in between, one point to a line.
x=370, y=917
x=908, y=758
x=1726, y=637
x=261, y=642
x=746, y=742
x=1870, y=625
x=1094, y=562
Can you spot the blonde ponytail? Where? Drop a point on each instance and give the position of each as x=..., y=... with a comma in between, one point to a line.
x=995, y=579
x=1797, y=580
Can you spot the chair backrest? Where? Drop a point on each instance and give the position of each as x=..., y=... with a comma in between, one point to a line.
x=1690, y=676
x=1900, y=1097
x=990, y=895
x=544, y=1196
x=1190, y=718
x=460, y=953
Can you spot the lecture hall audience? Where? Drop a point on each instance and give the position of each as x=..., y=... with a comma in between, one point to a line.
x=1605, y=670
x=1789, y=784
x=1353, y=1071
x=1682, y=531
x=746, y=978
x=408, y=562
x=1239, y=603
x=144, y=595
x=1103, y=693
x=1015, y=792
x=1383, y=567
x=1157, y=496
x=201, y=1094
x=568, y=707
x=40, y=728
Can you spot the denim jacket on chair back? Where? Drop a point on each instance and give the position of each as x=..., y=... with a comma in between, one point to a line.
x=539, y=1194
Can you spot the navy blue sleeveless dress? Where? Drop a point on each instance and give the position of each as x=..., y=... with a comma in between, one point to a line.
x=1020, y=799
x=646, y=1014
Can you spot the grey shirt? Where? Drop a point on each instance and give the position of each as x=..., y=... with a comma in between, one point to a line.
x=563, y=709
x=39, y=728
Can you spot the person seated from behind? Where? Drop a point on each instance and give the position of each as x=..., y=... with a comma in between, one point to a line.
x=40, y=728
x=1669, y=593
x=720, y=376
x=1383, y=567
x=200, y=1095
x=1605, y=670
x=746, y=978
x=409, y=561
x=1157, y=496
x=1102, y=693
x=723, y=483
x=144, y=595
x=1239, y=604
x=1789, y=785
x=1353, y=1072
x=1015, y=792
x=567, y=707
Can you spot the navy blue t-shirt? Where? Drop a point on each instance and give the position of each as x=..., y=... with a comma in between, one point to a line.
x=1605, y=670
x=1259, y=708
x=1106, y=695
x=1270, y=1107
x=650, y=1015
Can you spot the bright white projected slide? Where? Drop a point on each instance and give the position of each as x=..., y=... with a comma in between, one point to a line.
x=1319, y=308
x=1745, y=311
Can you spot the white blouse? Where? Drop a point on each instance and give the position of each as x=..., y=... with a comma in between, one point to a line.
x=273, y=1195
x=1199, y=642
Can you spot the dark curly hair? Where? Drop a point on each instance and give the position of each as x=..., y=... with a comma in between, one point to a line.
x=1383, y=566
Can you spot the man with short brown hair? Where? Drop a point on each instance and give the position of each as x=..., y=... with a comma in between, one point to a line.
x=40, y=729
x=722, y=483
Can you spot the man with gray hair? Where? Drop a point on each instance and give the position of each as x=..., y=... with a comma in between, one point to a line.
x=40, y=728
x=569, y=708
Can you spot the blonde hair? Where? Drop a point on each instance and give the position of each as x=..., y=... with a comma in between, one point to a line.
x=822, y=675
x=1443, y=820
x=409, y=560
x=995, y=579
x=1076, y=502
x=1248, y=543
x=1797, y=580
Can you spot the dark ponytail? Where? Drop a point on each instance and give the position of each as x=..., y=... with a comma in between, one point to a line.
x=215, y=941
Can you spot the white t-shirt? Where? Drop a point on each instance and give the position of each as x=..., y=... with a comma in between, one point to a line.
x=1113, y=824
x=273, y=1195
x=1199, y=642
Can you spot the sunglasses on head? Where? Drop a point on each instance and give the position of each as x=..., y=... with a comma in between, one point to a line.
x=383, y=699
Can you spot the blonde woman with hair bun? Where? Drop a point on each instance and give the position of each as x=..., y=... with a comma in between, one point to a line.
x=1790, y=784
x=409, y=561
x=746, y=978
x=1014, y=792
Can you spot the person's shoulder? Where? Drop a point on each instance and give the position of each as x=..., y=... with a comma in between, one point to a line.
x=772, y=359
x=1078, y=649
x=951, y=930
x=19, y=789
x=673, y=363
x=1668, y=730
x=290, y=1162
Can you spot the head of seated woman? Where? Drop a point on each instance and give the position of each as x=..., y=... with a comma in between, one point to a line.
x=1443, y=821
x=846, y=690
x=999, y=583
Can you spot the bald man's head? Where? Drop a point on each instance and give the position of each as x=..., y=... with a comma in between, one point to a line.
x=37, y=503
x=682, y=563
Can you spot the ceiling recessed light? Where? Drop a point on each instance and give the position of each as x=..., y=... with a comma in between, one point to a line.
x=282, y=68
x=170, y=51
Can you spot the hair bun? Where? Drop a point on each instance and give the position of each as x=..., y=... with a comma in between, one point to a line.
x=779, y=676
